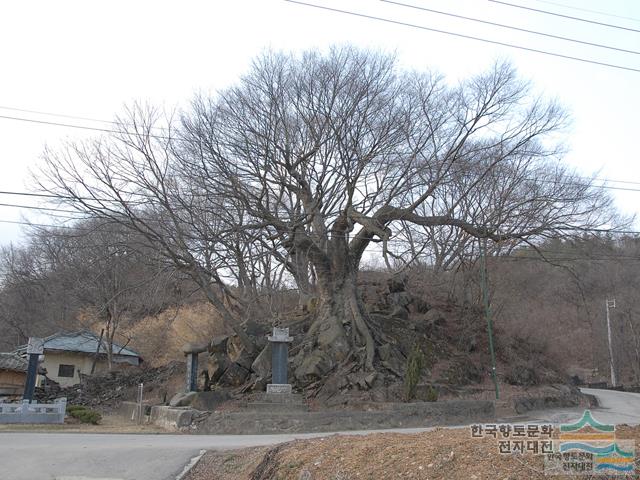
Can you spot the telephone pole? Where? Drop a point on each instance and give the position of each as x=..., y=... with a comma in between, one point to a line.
x=611, y=304
x=487, y=312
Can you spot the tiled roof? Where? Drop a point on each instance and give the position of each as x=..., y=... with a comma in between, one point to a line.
x=11, y=361
x=82, y=341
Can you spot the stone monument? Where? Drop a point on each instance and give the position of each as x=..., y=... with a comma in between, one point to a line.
x=191, y=351
x=280, y=340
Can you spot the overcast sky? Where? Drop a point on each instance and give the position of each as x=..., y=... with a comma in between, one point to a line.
x=89, y=59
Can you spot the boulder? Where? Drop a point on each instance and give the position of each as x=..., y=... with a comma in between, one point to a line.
x=314, y=366
x=255, y=329
x=237, y=353
x=216, y=366
x=363, y=380
x=182, y=399
x=234, y=376
x=207, y=401
x=261, y=366
x=219, y=344
x=400, y=312
x=400, y=299
x=391, y=359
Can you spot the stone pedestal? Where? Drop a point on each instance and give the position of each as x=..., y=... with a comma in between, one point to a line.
x=280, y=340
x=279, y=388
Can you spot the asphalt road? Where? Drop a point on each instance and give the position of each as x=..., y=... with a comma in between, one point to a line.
x=69, y=456
x=615, y=408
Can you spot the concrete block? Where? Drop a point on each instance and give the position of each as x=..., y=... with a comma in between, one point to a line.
x=172, y=418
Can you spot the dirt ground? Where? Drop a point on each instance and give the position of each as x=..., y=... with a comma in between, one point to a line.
x=441, y=454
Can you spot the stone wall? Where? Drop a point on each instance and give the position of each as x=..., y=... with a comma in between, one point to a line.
x=402, y=415
x=25, y=412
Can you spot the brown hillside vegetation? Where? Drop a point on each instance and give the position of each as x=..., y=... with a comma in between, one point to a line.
x=160, y=338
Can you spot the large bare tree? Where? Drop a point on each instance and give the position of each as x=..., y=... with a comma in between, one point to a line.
x=311, y=158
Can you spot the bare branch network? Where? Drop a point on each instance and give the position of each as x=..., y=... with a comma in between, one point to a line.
x=310, y=159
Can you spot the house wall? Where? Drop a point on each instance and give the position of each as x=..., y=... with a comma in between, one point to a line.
x=12, y=382
x=81, y=361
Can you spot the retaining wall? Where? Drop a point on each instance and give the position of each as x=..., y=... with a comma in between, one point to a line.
x=405, y=415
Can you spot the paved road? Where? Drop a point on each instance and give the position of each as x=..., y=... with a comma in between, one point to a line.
x=615, y=408
x=60, y=456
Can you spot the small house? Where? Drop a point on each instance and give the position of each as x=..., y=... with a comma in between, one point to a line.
x=67, y=356
x=13, y=374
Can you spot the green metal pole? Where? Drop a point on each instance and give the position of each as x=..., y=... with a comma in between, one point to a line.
x=487, y=312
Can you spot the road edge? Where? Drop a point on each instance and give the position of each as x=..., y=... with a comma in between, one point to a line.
x=189, y=466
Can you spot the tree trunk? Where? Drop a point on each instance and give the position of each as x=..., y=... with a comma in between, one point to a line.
x=340, y=331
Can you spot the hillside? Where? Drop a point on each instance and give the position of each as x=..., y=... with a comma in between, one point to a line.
x=548, y=315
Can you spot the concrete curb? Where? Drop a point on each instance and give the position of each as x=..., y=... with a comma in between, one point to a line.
x=189, y=466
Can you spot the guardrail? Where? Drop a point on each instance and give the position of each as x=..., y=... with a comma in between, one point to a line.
x=26, y=412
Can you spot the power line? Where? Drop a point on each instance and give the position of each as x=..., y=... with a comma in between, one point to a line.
x=43, y=225
x=39, y=112
x=605, y=187
x=555, y=14
x=62, y=115
x=77, y=126
x=469, y=37
x=630, y=182
x=83, y=127
x=511, y=27
x=66, y=197
x=565, y=255
x=564, y=258
x=63, y=197
x=609, y=187
x=606, y=14
x=32, y=207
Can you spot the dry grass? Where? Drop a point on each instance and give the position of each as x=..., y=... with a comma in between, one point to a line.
x=442, y=454
x=160, y=339
x=109, y=424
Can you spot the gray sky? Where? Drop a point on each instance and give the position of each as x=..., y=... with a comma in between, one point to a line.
x=89, y=59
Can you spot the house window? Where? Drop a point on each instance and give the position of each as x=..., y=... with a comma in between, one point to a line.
x=66, y=371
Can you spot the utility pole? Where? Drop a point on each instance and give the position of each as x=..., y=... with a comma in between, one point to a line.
x=35, y=348
x=487, y=312
x=610, y=304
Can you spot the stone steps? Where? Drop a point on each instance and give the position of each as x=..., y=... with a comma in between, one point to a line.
x=278, y=403
x=277, y=407
x=279, y=398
